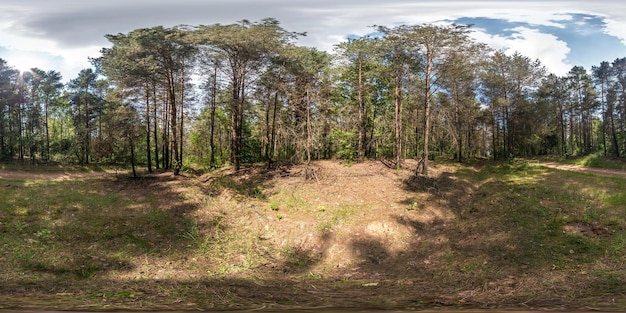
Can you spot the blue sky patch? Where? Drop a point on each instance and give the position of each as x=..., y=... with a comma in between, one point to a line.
x=583, y=33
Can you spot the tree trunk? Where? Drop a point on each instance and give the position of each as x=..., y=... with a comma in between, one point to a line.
x=361, y=108
x=562, y=118
x=47, y=130
x=173, y=117
x=234, y=121
x=148, y=151
x=398, y=116
x=308, y=128
x=166, y=135
x=614, y=136
x=273, y=132
x=132, y=155
x=155, y=134
x=427, y=96
x=213, y=107
x=267, y=157
x=182, y=118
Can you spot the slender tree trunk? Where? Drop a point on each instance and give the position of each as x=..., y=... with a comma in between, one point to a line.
x=155, y=120
x=242, y=102
x=494, y=131
x=213, y=107
x=166, y=135
x=398, y=116
x=563, y=140
x=148, y=150
x=46, y=121
x=87, y=132
x=268, y=144
x=2, y=133
x=603, y=108
x=616, y=150
x=173, y=117
x=361, y=108
x=273, y=138
x=132, y=155
x=457, y=117
x=308, y=128
x=427, y=95
x=20, y=132
x=234, y=120
x=182, y=117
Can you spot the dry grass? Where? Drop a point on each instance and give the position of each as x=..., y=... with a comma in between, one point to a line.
x=507, y=235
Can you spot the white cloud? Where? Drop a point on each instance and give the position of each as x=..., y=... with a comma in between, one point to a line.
x=551, y=51
x=616, y=28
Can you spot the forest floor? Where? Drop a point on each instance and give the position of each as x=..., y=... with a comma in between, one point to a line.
x=583, y=169
x=511, y=235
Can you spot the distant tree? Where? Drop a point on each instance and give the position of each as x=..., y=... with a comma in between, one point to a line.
x=509, y=86
x=460, y=79
x=582, y=99
x=85, y=102
x=361, y=56
x=127, y=125
x=553, y=93
x=48, y=91
x=398, y=62
x=8, y=81
x=245, y=47
x=602, y=79
x=619, y=73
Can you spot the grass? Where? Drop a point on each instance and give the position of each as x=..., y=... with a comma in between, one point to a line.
x=518, y=235
x=596, y=160
x=543, y=204
x=26, y=166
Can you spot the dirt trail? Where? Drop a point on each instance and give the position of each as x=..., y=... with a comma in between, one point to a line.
x=590, y=170
x=58, y=176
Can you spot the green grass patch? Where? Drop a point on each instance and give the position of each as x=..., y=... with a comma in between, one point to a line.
x=596, y=160
x=522, y=213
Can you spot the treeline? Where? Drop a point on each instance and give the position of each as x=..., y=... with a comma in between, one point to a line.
x=212, y=95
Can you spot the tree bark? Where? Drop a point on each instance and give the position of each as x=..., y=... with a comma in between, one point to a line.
x=213, y=107
x=427, y=96
x=148, y=150
x=398, y=116
x=361, y=108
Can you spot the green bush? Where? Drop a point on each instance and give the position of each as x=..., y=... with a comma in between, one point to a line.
x=343, y=144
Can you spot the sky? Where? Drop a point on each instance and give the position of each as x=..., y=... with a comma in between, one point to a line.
x=61, y=35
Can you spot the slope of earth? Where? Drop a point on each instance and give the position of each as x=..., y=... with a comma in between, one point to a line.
x=326, y=235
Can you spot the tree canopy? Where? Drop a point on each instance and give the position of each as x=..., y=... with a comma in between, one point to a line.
x=246, y=92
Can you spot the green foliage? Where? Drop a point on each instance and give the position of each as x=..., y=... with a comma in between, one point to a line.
x=274, y=206
x=413, y=206
x=343, y=144
x=301, y=103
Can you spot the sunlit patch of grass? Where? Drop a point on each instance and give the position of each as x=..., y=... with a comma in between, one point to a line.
x=330, y=218
x=291, y=198
x=596, y=160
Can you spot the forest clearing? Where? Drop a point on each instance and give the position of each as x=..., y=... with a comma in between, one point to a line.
x=508, y=235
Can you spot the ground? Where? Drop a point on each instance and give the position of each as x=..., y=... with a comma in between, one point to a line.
x=331, y=234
